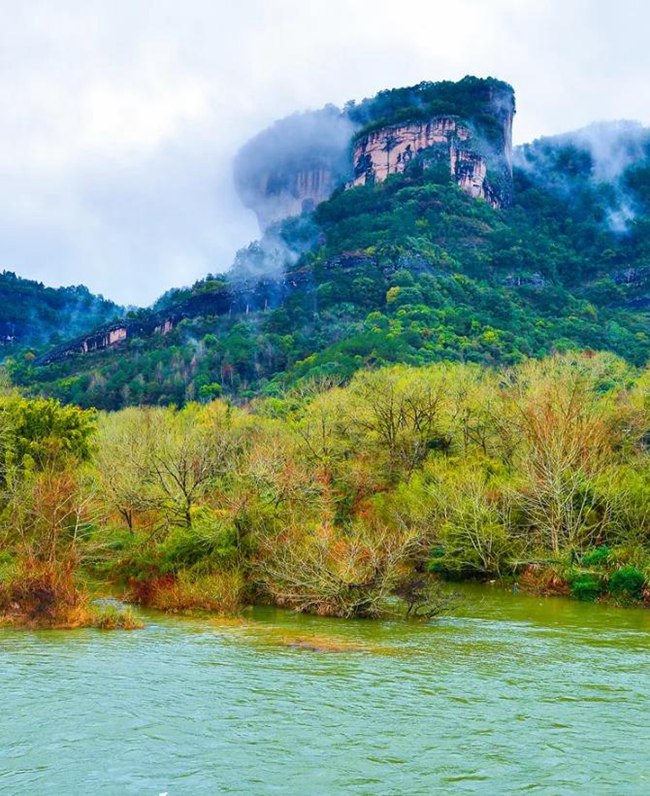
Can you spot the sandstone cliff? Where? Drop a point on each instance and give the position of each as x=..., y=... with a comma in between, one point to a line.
x=294, y=165
x=442, y=141
x=283, y=192
x=462, y=130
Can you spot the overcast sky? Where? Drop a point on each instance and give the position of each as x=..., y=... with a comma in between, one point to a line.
x=120, y=118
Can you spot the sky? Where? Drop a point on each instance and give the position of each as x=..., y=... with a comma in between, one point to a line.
x=120, y=118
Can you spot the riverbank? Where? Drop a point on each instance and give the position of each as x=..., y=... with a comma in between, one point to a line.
x=337, y=500
x=63, y=604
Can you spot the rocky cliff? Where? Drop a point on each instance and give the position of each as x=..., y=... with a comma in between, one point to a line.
x=459, y=131
x=283, y=192
x=238, y=298
x=294, y=165
x=440, y=142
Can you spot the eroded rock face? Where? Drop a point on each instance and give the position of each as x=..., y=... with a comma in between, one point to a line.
x=391, y=149
x=294, y=165
x=298, y=162
x=105, y=338
x=278, y=194
x=441, y=140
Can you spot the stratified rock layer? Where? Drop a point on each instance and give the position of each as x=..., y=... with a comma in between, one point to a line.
x=440, y=141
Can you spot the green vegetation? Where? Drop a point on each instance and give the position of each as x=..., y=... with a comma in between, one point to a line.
x=336, y=500
x=32, y=315
x=477, y=100
x=431, y=388
x=409, y=271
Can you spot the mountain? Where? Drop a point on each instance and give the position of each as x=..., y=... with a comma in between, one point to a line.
x=32, y=315
x=461, y=250
x=463, y=130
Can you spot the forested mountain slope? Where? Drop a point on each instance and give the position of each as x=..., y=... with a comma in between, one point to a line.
x=32, y=314
x=412, y=268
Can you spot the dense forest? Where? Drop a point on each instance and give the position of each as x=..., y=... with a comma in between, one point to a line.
x=408, y=271
x=33, y=315
x=347, y=501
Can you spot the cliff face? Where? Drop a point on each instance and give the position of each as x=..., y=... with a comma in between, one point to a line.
x=236, y=299
x=442, y=141
x=471, y=146
x=294, y=165
x=277, y=194
x=461, y=130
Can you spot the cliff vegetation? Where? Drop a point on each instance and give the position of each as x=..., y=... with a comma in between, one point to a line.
x=410, y=270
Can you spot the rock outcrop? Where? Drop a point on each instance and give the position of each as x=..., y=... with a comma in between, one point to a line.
x=294, y=165
x=237, y=298
x=281, y=193
x=442, y=141
x=457, y=131
x=463, y=131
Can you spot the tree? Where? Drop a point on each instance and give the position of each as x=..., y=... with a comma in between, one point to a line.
x=400, y=414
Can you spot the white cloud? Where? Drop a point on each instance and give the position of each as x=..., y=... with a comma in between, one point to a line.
x=120, y=119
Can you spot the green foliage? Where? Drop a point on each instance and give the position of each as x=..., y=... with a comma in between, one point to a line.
x=32, y=315
x=587, y=586
x=471, y=98
x=599, y=557
x=207, y=544
x=41, y=432
x=627, y=583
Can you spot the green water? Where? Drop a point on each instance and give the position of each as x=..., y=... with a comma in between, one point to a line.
x=512, y=694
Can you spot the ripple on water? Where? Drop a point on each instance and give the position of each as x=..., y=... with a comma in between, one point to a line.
x=513, y=694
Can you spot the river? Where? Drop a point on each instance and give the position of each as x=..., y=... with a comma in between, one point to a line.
x=510, y=694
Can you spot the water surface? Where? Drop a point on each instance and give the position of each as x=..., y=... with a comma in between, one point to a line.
x=512, y=694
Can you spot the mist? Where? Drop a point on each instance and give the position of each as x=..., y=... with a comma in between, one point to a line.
x=599, y=154
x=121, y=120
x=266, y=167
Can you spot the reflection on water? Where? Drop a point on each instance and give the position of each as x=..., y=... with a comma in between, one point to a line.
x=511, y=694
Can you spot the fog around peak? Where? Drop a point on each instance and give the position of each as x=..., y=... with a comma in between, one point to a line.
x=600, y=154
x=121, y=120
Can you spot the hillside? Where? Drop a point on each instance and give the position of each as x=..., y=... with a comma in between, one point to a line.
x=411, y=268
x=33, y=315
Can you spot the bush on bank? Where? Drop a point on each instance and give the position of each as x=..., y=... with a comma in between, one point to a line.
x=338, y=499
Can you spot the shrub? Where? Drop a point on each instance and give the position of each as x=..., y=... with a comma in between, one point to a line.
x=543, y=580
x=598, y=557
x=220, y=592
x=334, y=573
x=423, y=597
x=114, y=617
x=627, y=583
x=43, y=594
x=586, y=585
x=208, y=542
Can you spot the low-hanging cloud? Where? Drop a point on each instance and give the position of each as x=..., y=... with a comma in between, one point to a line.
x=602, y=153
x=121, y=120
x=270, y=167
